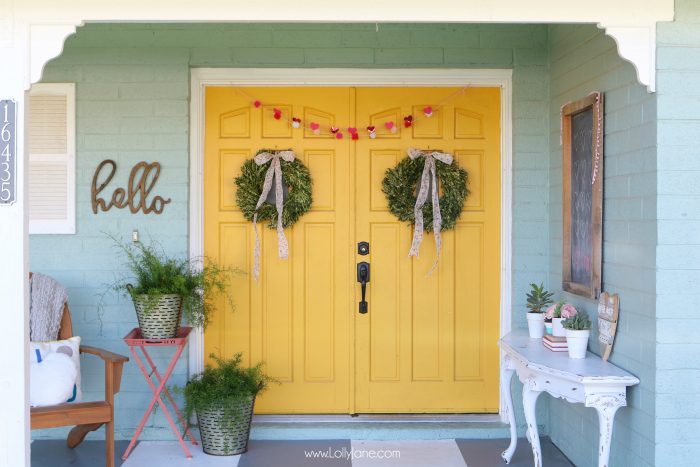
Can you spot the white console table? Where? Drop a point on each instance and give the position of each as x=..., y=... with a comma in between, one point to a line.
x=589, y=381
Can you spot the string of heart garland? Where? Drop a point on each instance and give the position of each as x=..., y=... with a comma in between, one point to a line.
x=390, y=127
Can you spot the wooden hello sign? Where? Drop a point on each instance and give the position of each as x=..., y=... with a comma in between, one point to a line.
x=142, y=179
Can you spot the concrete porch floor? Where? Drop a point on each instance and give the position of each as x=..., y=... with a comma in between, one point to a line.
x=263, y=453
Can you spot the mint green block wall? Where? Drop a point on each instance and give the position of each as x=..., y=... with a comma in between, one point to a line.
x=582, y=60
x=132, y=105
x=678, y=253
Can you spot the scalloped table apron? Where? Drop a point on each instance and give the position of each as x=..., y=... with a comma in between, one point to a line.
x=428, y=342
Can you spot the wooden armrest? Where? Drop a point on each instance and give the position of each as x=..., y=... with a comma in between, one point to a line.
x=105, y=355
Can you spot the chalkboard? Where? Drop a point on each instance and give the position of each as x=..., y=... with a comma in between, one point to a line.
x=581, y=196
x=582, y=152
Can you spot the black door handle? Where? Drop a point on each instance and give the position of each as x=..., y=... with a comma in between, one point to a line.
x=363, y=278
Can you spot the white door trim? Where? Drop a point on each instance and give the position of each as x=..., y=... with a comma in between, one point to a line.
x=202, y=77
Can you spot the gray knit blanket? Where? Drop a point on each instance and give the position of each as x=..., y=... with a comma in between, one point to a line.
x=46, y=300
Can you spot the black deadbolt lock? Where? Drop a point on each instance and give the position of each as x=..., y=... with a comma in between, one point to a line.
x=363, y=248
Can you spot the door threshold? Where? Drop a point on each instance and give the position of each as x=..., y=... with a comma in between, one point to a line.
x=379, y=426
x=379, y=418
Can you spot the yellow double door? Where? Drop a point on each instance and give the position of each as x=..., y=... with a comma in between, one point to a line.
x=428, y=343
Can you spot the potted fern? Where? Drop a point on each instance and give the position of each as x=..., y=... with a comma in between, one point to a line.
x=578, y=328
x=223, y=397
x=164, y=288
x=537, y=300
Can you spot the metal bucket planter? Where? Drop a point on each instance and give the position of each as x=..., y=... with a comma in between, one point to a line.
x=226, y=436
x=159, y=320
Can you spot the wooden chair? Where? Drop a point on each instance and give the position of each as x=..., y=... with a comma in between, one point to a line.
x=87, y=416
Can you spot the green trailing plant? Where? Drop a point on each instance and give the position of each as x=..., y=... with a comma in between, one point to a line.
x=399, y=186
x=578, y=322
x=224, y=387
x=199, y=282
x=538, y=298
x=249, y=186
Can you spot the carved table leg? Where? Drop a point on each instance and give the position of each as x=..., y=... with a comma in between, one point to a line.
x=530, y=395
x=606, y=405
x=506, y=376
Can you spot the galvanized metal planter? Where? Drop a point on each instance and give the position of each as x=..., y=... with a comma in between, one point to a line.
x=160, y=320
x=226, y=436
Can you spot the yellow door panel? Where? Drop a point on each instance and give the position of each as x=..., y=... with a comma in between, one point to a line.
x=428, y=343
x=297, y=317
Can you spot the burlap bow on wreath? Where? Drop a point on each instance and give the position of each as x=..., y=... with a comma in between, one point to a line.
x=424, y=169
x=428, y=177
x=254, y=184
x=275, y=171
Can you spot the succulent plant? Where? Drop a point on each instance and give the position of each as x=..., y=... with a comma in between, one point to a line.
x=538, y=298
x=578, y=322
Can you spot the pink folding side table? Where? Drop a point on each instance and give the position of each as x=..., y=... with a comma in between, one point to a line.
x=135, y=340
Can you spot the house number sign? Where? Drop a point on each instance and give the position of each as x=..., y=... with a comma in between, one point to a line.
x=8, y=164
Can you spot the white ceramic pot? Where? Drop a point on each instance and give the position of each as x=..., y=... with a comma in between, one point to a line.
x=535, y=324
x=577, y=342
x=557, y=329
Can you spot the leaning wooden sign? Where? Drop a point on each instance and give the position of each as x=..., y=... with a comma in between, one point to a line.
x=582, y=183
x=608, y=312
x=8, y=145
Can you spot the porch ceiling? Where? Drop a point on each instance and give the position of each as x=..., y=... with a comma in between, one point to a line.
x=619, y=12
x=632, y=25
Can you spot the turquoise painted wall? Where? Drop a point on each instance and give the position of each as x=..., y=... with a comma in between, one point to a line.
x=582, y=60
x=133, y=92
x=678, y=253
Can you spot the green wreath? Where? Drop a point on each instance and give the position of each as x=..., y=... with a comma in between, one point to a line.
x=250, y=184
x=399, y=186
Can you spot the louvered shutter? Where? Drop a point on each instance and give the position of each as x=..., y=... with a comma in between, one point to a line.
x=51, y=144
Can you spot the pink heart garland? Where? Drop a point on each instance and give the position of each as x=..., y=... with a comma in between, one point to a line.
x=389, y=125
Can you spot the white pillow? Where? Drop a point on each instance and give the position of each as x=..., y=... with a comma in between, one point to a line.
x=38, y=351
x=52, y=381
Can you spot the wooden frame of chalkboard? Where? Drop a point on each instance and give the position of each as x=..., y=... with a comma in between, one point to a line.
x=582, y=171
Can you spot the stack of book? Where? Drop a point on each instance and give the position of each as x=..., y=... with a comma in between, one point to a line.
x=555, y=343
